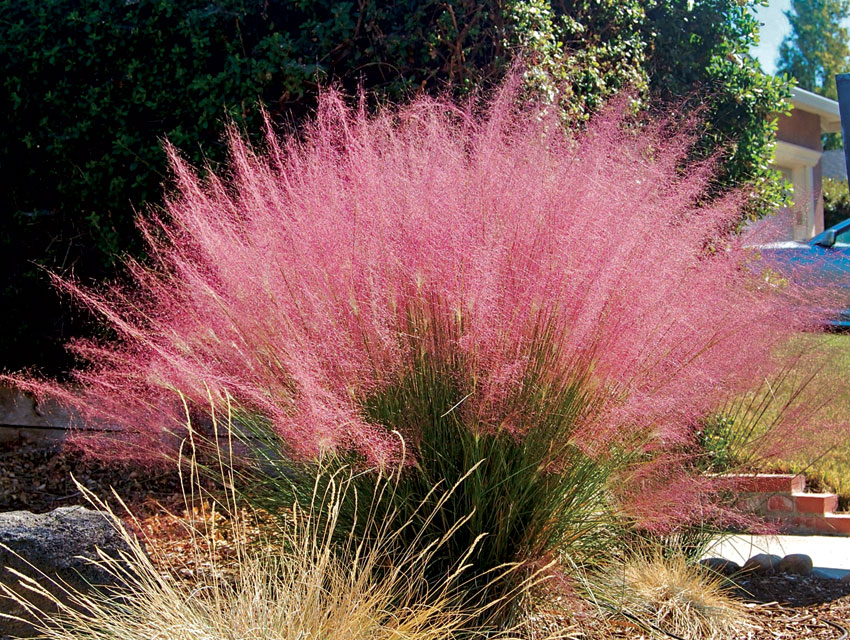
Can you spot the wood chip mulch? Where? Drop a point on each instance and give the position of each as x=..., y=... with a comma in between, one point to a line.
x=38, y=479
x=795, y=607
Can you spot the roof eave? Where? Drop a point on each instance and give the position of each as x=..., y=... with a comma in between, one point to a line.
x=825, y=108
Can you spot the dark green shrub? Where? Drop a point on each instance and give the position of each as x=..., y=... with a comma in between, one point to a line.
x=92, y=87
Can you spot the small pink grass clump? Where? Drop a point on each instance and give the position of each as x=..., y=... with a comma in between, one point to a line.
x=317, y=271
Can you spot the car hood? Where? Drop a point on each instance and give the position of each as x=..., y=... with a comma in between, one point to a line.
x=824, y=274
x=785, y=244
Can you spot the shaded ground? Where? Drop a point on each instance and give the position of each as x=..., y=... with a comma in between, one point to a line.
x=37, y=479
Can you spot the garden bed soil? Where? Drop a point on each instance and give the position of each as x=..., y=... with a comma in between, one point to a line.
x=780, y=607
x=38, y=479
x=789, y=606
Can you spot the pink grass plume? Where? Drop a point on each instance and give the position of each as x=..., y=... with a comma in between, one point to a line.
x=317, y=270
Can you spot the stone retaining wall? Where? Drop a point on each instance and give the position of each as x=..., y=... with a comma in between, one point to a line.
x=23, y=417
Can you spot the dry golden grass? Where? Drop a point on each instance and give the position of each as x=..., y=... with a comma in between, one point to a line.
x=302, y=586
x=674, y=596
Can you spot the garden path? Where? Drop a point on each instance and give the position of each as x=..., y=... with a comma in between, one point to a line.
x=830, y=554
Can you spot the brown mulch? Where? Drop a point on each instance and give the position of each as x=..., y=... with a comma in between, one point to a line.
x=38, y=479
x=780, y=607
x=795, y=607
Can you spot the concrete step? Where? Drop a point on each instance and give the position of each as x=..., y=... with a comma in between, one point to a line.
x=781, y=498
x=839, y=523
x=815, y=503
x=833, y=524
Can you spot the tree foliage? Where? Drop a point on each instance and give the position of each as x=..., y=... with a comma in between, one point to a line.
x=817, y=47
x=699, y=49
x=92, y=87
x=836, y=202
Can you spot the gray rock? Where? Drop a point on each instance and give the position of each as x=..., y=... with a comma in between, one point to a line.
x=845, y=577
x=58, y=544
x=762, y=564
x=796, y=563
x=721, y=565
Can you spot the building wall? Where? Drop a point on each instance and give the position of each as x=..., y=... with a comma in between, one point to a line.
x=798, y=156
x=800, y=128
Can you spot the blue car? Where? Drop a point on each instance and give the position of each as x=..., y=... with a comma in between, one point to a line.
x=822, y=262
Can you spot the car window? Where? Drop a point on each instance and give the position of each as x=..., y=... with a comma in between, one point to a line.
x=843, y=237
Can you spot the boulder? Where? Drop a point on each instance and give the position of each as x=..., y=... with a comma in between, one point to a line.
x=57, y=544
x=762, y=564
x=721, y=565
x=796, y=563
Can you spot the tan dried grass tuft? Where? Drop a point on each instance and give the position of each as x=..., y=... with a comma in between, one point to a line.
x=672, y=595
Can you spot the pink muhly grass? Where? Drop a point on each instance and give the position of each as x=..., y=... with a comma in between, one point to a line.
x=315, y=272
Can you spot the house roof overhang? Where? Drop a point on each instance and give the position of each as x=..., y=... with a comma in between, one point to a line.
x=825, y=108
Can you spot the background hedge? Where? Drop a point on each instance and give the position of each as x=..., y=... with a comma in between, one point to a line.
x=92, y=87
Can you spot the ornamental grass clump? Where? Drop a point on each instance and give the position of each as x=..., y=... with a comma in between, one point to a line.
x=438, y=286
x=669, y=594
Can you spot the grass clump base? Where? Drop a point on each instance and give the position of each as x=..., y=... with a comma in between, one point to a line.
x=668, y=593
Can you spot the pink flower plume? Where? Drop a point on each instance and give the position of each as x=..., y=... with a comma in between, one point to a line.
x=313, y=274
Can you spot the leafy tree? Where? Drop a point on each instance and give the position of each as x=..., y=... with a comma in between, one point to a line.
x=91, y=87
x=817, y=47
x=699, y=49
x=691, y=54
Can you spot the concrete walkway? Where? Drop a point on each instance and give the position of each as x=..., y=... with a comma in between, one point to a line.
x=830, y=554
